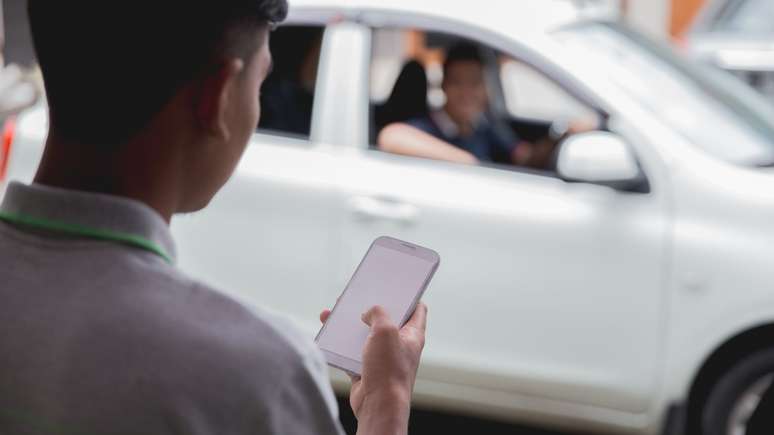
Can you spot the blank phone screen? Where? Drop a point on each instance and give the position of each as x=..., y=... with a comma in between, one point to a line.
x=386, y=277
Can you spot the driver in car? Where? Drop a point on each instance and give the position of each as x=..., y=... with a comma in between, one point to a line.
x=461, y=131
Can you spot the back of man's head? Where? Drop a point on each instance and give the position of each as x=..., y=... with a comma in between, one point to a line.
x=110, y=66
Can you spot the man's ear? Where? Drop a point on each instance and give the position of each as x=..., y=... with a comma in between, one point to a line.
x=211, y=106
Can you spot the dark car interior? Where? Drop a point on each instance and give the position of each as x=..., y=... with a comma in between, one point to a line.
x=287, y=95
x=408, y=98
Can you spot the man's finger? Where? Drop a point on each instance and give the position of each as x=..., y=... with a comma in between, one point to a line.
x=418, y=320
x=324, y=315
x=375, y=316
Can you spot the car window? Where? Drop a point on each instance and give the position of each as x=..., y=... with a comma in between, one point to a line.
x=529, y=94
x=287, y=96
x=747, y=16
x=442, y=96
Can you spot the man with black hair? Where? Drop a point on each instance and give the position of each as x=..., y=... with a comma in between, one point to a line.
x=461, y=131
x=151, y=104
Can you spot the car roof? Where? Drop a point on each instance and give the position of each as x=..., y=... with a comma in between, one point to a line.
x=511, y=17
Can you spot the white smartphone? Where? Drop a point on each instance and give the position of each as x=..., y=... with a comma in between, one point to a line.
x=393, y=274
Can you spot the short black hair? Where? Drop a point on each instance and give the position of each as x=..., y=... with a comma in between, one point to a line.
x=109, y=66
x=462, y=52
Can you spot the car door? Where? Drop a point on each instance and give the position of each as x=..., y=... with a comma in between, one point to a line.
x=546, y=289
x=268, y=235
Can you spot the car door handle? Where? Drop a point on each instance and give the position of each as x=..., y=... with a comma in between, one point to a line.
x=369, y=208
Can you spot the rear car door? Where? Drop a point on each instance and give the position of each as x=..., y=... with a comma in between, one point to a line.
x=268, y=235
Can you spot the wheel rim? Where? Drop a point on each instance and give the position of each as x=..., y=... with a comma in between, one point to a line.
x=746, y=404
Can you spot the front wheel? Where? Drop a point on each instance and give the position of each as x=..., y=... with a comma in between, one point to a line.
x=737, y=394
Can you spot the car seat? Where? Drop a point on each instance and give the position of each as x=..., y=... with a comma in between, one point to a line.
x=408, y=98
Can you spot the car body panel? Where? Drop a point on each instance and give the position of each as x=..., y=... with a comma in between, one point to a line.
x=280, y=245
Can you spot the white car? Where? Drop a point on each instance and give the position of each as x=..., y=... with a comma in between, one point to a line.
x=628, y=291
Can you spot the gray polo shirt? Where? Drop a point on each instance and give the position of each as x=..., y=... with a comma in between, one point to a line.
x=99, y=337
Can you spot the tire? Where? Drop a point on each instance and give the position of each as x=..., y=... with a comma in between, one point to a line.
x=745, y=380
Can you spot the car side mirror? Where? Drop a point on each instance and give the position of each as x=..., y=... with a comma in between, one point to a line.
x=601, y=158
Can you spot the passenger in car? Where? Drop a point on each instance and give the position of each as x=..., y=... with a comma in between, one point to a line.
x=288, y=95
x=461, y=131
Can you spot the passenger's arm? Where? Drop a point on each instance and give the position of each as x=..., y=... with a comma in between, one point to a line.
x=381, y=398
x=400, y=138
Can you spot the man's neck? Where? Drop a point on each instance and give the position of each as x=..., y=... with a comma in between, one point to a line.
x=135, y=171
x=464, y=128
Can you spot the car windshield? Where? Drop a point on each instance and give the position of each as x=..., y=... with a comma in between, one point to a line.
x=747, y=16
x=710, y=108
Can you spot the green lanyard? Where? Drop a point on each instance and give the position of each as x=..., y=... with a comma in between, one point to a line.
x=82, y=231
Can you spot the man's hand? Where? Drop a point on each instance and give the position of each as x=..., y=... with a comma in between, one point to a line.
x=583, y=125
x=533, y=155
x=381, y=398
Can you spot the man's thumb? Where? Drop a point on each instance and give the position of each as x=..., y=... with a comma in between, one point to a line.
x=375, y=316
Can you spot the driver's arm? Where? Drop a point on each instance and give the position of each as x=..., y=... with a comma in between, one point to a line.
x=400, y=138
x=533, y=155
x=538, y=155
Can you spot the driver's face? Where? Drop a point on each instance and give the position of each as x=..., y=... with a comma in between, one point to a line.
x=466, y=96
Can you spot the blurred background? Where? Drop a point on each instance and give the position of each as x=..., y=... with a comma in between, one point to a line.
x=613, y=279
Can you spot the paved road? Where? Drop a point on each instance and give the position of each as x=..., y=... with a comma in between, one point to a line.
x=427, y=422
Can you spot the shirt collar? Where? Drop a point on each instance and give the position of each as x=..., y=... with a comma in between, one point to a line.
x=444, y=123
x=447, y=125
x=93, y=210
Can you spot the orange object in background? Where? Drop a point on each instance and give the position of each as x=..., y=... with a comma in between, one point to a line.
x=5, y=145
x=683, y=14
